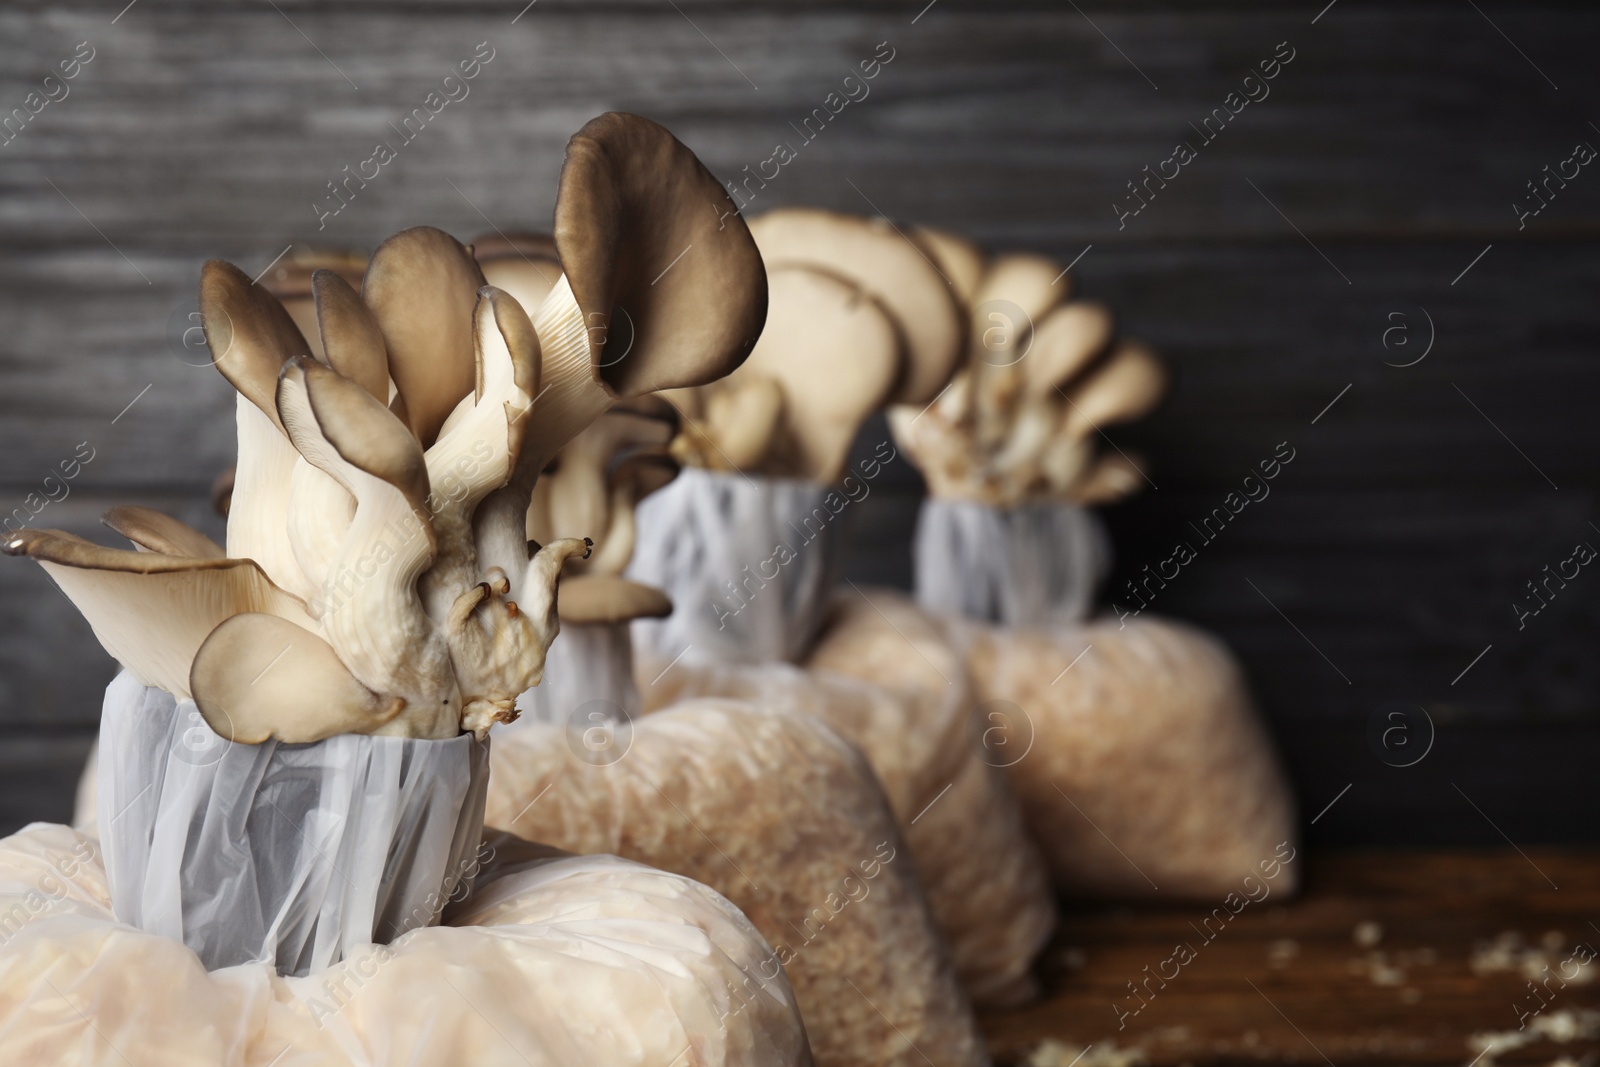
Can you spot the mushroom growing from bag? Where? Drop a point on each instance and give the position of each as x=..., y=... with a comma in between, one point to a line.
x=1139, y=730
x=376, y=537
x=350, y=598
x=745, y=542
x=438, y=394
x=769, y=807
x=378, y=581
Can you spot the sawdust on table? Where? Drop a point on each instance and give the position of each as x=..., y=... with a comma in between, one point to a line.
x=1560, y=1027
x=1053, y=1053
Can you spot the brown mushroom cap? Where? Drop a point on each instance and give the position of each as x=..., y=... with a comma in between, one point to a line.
x=156, y=532
x=892, y=268
x=603, y=598
x=958, y=259
x=597, y=478
x=1031, y=282
x=640, y=228
x=352, y=342
x=150, y=610
x=320, y=405
x=1125, y=387
x=422, y=287
x=250, y=333
x=1069, y=338
x=836, y=355
x=257, y=677
x=290, y=281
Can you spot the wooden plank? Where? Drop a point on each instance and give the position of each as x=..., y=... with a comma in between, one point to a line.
x=1032, y=121
x=1289, y=981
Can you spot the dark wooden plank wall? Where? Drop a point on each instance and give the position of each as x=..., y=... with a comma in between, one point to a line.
x=1396, y=141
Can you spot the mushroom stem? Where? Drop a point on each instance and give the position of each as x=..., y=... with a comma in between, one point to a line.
x=544, y=571
x=465, y=604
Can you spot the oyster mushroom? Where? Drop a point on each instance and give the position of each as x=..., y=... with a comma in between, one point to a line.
x=890, y=266
x=380, y=498
x=1043, y=374
x=829, y=357
x=362, y=656
x=732, y=427
x=594, y=483
x=290, y=280
x=960, y=261
x=689, y=290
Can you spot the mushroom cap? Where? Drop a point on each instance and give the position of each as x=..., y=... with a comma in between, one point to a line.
x=249, y=332
x=1033, y=283
x=257, y=677
x=605, y=598
x=733, y=427
x=152, y=610
x=890, y=266
x=1126, y=386
x=290, y=281
x=422, y=288
x=957, y=258
x=633, y=237
x=155, y=532
x=361, y=430
x=1065, y=343
x=592, y=486
x=352, y=342
x=837, y=355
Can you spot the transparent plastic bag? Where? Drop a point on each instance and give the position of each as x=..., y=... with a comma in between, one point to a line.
x=563, y=962
x=293, y=854
x=748, y=562
x=782, y=816
x=986, y=879
x=1146, y=763
x=1026, y=566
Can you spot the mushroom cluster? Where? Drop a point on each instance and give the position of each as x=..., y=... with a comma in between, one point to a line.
x=1152, y=741
x=379, y=598
x=351, y=599
x=859, y=319
x=436, y=441
x=817, y=861
x=1042, y=374
x=378, y=576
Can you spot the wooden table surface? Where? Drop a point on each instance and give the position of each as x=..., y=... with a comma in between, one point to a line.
x=1386, y=958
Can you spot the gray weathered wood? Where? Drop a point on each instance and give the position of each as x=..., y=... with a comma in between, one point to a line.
x=1396, y=142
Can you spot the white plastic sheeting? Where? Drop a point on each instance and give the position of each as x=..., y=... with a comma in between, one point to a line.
x=290, y=854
